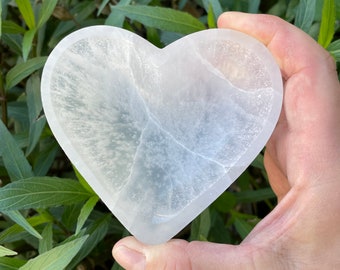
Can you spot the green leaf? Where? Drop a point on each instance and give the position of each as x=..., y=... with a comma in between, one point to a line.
x=211, y=18
x=83, y=182
x=16, y=232
x=258, y=162
x=327, y=28
x=97, y=231
x=200, y=227
x=56, y=258
x=27, y=43
x=337, y=9
x=251, y=196
x=253, y=6
x=242, y=227
x=152, y=35
x=225, y=202
x=46, y=11
x=27, y=13
x=214, y=10
x=34, y=104
x=17, y=217
x=22, y=70
x=46, y=243
x=6, y=252
x=14, y=42
x=116, y=18
x=305, y=14
x=14, y=160
x=102, y=6
x=85, y=212
x=11, y=263
x=80, y=12
x=45, y=158
x=334, y=49
x=116, y=266
x=10, y=27
x=166, y=19
x=17, y=110
x=41, y=192
x=279, y=8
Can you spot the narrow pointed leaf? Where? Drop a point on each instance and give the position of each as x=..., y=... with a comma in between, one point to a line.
x=46, y=243
x=34, y=105
x=14, y=160
x=6, y=252
x=22, y=70
x=27, y=13
x=46, y=11
x=327, y=27
x=17, y=217
x=85, y=212
x=83, y=182
x=16, y=232
x=334, y=49
x=10, y=27
x=41, y=192
x=96, y=231
x=56, y=258
x=162, y=18
x=11, y=263
x=27, y=43
x=305, y=14
x=242, y=227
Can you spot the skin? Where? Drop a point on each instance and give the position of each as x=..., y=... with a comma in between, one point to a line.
x=302, y=160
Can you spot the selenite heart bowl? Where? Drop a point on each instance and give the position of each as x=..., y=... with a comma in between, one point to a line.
x=159, y=134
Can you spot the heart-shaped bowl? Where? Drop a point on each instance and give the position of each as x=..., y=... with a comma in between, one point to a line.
x=159, y=134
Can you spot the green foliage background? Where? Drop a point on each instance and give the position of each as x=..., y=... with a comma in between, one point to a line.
x=50, y=218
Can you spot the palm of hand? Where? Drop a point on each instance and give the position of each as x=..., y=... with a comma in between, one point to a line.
x=302, y=161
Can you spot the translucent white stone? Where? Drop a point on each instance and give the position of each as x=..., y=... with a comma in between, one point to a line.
x=159, y=134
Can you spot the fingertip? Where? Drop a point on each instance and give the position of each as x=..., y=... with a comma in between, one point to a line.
x=128, y=252
x=225, y=17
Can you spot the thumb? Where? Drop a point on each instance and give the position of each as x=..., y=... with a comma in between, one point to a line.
x=180, y=254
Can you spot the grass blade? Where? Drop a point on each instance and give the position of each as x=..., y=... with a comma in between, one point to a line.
x=162, y=18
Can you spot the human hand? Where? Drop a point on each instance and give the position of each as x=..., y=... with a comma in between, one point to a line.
x=302, y=159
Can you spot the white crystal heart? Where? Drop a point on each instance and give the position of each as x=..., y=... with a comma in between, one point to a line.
x=159, y=134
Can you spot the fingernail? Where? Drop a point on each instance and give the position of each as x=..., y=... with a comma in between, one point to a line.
x=129, y=258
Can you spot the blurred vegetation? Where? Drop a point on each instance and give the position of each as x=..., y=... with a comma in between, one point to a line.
x=49, y=216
